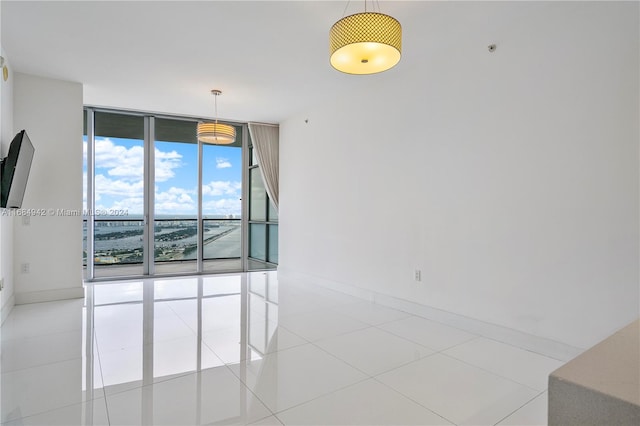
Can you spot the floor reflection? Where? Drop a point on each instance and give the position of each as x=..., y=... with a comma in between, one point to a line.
x=153, y=350
x=152, y=331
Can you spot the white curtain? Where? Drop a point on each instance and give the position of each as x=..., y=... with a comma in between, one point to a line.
x=266, y=145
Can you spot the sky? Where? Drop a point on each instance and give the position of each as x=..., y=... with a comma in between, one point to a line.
x=119, y=178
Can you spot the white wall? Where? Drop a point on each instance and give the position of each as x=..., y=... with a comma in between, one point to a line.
x=509, y=178
x=51, y=112
x=6, y=222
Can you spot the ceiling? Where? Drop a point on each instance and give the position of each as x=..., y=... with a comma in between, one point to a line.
x=269, y=58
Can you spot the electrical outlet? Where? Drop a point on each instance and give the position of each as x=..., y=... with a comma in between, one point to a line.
x=418, y=275
x=26, y=220
x=1, y=283
x=25, y=268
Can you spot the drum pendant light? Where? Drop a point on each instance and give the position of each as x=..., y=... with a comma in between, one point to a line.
x=216, y=133
x=365, y=43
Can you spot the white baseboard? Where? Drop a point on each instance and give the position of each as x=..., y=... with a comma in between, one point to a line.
x=540, y=345
x=7, y=307
x=49, y=295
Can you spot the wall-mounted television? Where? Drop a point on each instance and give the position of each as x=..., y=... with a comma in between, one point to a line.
x=14, y=171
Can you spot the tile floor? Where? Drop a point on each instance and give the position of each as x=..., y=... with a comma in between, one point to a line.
x=239, y=349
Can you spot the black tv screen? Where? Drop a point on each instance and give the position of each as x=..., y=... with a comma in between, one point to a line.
x=15, y=171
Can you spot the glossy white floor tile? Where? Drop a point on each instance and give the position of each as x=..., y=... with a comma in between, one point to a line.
x=220, y=313
x=428, y=333
x=318, y=325
x=41, y=319
x=262, y=337
x=516, y=364
x=296, y=301
x=461, y=393
x=268, y=421
x=44, y=388
x=534, y=413
x=211, y=396
x=365, y=403
x=373, y=351
x=18, y=354
x=124, y=369
x=167, y=325
x=293, y=376
x=116, y=292
x=180, y=356
x=90, y=413
x=268, y=337
x=370, y=313
x=244, y=349
x=118, y=326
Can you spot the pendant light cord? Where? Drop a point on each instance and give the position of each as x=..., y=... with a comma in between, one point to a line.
x=373, y=2
x=344, y=12
x=215, y=102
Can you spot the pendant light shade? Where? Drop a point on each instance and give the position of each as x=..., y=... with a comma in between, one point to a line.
x=216, y=133
x=365, y=43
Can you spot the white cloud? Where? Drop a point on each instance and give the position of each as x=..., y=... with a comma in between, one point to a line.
x=175, y=200
x=224, y=206
x=218, y=188
x=128, y=195
x=118, y=187
x=127, y=163
x=222, y=163
x=165, y=163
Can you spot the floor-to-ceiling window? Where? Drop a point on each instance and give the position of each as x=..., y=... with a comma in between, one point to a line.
x=222, y=206
x=118, y=188
x=263, y=221
x=158, y=202
x=175, y=197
